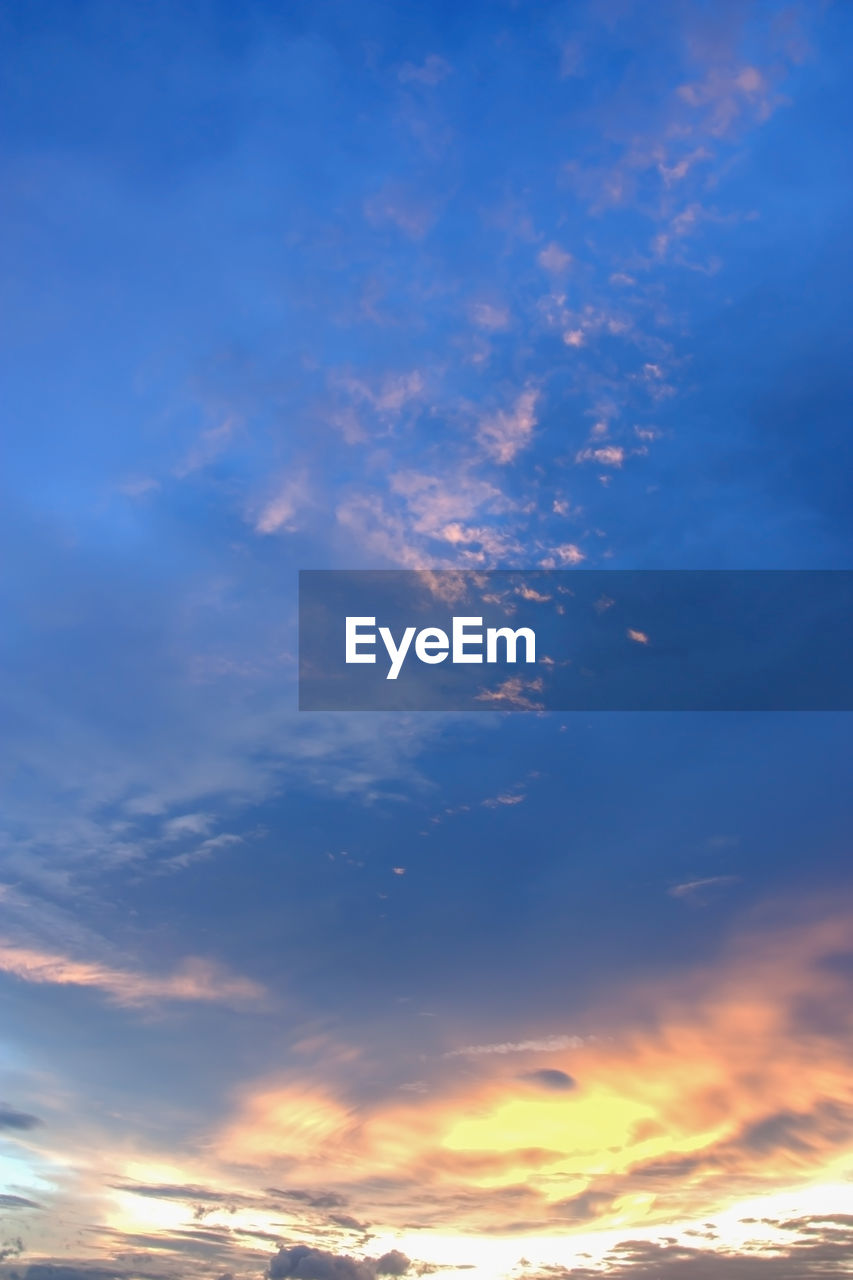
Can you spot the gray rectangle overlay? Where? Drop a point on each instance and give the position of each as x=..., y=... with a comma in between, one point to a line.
x=604, y=640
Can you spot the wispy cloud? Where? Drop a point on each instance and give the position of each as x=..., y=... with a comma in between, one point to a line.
x=505, y=433
x=279, y=513
x=490, y=317
x=195, y=980
x=430, y=72
x=698, y=891
x=542, y=1044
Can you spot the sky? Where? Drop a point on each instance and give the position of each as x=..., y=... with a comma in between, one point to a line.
x=343, y=995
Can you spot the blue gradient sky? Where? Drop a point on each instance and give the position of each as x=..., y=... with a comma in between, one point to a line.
x=336, y=285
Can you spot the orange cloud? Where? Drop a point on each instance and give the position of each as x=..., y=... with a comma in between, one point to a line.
x=730, y=1081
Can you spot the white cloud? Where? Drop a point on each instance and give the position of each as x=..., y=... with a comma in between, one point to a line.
x=504, y=799
x=547, y=1044
x=567, y=553
x=695, y=890
x=610, y=455
x=191, y=824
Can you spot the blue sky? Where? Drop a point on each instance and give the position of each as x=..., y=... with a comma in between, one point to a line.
x=377, y=286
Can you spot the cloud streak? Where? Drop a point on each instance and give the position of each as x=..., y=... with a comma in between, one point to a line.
x=196, y=980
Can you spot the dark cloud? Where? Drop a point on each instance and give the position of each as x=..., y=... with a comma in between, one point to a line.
x=824, y=1249
x=11, y=1119
x=783, y=1132
x=327, y=1200
x=17, y=1202
x=838, y=962
x=179, y=1253
x=175, y=1191
x=58, y=1271
x=797, y=1132
x=817, y=1223
x=344, y=1220
x=203, y=1199
x=677, y=1167
x=550, y=1078
x=394, y=1263
x=304, y=1263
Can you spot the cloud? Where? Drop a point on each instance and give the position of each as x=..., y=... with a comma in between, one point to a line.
x=295, y=1117
x=515, y=692
x=487, y=316
x=17, y=1120
x=554, y=259
x=560, y=556
x=818, y=1247
x=610, y=455
x=401, y=207
x=433, y=519
x=431, y=71
x=192, y=824
x=393, y=1263
x=677, y=171
x=545, y=1044
x=390, y=394
x=441, y=507
x=504, y=434
x=209, y=446
x=300, y=273
x=196, y=980
x=698, y=1090
x=187, y=1193
x=60, y=1270
x=302, y=1262
x=278, y=513
x=138, y=486
x=726, y=94
x=585, y=1207
x=697, y=890
x=11, y=1248
x=17, y=1202
x=550, y=1078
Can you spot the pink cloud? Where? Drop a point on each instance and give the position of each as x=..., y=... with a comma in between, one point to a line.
x=194, y=980
x=504, y=434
